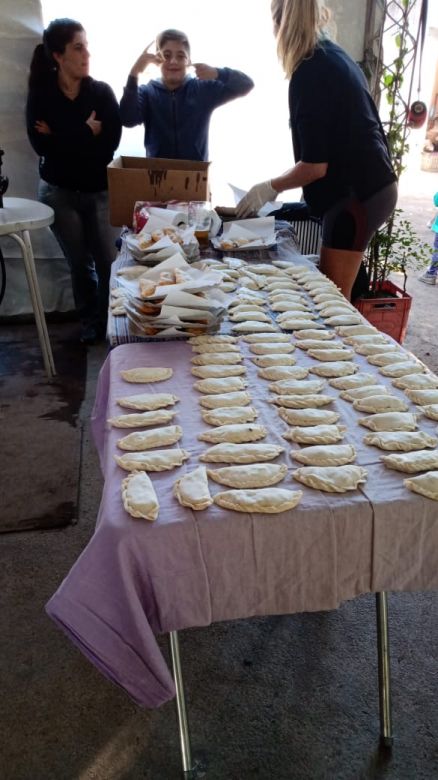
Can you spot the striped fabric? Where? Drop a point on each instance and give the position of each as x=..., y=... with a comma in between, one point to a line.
x=308, y=234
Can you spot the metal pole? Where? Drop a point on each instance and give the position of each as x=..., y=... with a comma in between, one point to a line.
x=384, y=668
x=183, y=725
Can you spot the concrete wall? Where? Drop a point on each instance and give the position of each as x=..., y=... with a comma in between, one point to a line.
x=21, y=27
x=349, y=18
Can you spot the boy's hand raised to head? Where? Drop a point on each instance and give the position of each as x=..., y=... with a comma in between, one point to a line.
x=205, y=72
x=146, y=58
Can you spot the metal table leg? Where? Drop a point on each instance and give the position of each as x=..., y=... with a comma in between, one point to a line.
x=190, y=768
x=37, y=304
x=384, y=667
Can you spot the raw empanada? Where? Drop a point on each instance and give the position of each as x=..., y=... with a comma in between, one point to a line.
x=218, y=339
x=265, y=500
x=211, y=372
x=278, y=373
x=239, y=398
x=302, y=387
x=333, y=300
x=139, y=497
x=325, y=455
x=386, y=358
x=313, y=333
x=332, y=479
x=283, y=386
x=249, y=316
x=374, y=349
x=425, y=484
x=267, y=361
x=146, y=375
x=148, y=402
x=363, y=392
x=356, y=330
x=400, y=369
x=286, y=296
x=310, y=401
x=401, y=441
x=335, y=369
x=368, y=339
x=335, y=311
x=257, y=475
x=229, y=384
x=256, y=338
x=263, y=268
x=298, y=315
x=317, y=344
x=241, y=453
x=422, y=397
x=217, y=359
x=278, y=284
x=192, y=489
x=411, y=462
x=430, y=411
x=254, y=327
x=158, y=460
x=331, y=354
x=265, y=348
x=390, y=421
x=344, y=319
x=147, y=440
x=230, y=414
x=228, y=287
x=416, y=382
x=349, y=382
x=239, y=308
x=142, y=419
x=316, y=434
x=308, y=416
x=297, y=324
x=235, y=433
x=328, y=297
x=205, y=347
x=288, y=306
x=248, y=296
x=380, y=403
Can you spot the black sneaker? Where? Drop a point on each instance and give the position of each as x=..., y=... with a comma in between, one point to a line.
x=88, y=334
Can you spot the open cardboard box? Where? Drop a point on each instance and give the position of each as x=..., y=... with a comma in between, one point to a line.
x=154, y=179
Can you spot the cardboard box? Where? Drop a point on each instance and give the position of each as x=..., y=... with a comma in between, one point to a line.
x=154, y=179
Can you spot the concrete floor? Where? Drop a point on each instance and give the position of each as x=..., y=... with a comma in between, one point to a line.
x=291, y=697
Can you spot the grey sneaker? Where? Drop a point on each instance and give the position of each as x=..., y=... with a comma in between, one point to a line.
x=427, y=278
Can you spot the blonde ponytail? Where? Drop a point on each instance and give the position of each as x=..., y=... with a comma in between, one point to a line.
x=298, y=25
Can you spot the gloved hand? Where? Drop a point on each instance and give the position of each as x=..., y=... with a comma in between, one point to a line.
x=255, y=198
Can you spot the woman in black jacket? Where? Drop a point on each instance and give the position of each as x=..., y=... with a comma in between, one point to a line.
x=342, y=161
x=74, y=126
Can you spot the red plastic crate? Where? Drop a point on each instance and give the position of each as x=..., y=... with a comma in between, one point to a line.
x=388, y=313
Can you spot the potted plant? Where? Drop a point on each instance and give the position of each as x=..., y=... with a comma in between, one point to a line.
x=395, y=247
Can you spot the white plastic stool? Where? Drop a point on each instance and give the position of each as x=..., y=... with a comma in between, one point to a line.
x=17, y=217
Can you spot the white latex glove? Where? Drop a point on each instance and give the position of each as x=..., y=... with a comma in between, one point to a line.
x=255, y=198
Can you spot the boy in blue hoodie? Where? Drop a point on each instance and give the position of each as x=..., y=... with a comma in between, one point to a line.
x=177, y=108
x=430, y=276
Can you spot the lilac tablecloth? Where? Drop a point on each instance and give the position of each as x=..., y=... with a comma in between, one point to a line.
x=136, y=579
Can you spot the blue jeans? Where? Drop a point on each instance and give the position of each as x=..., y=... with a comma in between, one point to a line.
x=433, y=268
x=82, y=229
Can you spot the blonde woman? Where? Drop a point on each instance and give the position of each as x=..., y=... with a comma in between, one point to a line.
x=342, y=159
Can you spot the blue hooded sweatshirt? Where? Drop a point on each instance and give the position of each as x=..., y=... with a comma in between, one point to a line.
x=177, y=121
